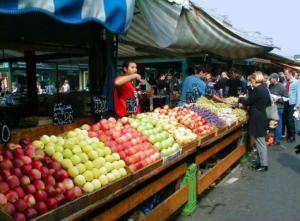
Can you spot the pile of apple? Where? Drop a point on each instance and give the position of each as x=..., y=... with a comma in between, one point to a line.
x=31, y=183
x=88, y=161
x=181, y=134
x=160, y=139
x=192, y=120
x=133, y=147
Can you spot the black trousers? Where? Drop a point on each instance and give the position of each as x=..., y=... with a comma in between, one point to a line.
x=290, y=122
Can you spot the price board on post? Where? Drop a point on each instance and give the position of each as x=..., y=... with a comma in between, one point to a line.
x=4, y=133
x=100, y=105
x=62, y=114
x=131, y=105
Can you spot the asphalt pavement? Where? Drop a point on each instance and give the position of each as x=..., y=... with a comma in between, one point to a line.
x=245, y=194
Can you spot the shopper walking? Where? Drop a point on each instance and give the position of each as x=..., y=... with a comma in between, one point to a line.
x=279, y=96
x=257, y=101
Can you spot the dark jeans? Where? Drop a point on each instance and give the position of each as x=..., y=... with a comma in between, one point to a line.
x=290, y=122
x=278, y=130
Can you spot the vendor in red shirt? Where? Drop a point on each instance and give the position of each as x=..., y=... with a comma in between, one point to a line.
x=125, y=94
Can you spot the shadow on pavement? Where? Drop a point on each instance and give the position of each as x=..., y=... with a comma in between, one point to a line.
x=289, y=161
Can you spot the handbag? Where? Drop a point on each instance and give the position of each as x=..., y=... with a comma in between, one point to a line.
x=272, y=111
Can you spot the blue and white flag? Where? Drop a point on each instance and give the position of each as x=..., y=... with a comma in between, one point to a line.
x=115, y=15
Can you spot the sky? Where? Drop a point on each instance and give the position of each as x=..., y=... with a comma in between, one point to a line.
x=277, y=19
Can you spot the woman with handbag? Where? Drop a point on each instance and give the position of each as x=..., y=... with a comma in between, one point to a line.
x=257, y=101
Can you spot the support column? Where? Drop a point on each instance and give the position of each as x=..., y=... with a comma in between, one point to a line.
x=32, y=94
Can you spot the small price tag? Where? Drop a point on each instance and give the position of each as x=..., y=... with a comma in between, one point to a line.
x=131, y=105
x=4, y=133
x=63, y=114
x=100, y=104
x=175, y=155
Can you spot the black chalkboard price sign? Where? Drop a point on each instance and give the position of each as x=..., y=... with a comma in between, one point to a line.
x=62, y=114
x=100, y=104
x=4, y=133
x=131, y=105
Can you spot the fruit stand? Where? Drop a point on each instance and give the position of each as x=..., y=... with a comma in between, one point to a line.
x=126, y=162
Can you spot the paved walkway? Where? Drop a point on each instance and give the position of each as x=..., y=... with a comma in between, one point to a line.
x=272, y=195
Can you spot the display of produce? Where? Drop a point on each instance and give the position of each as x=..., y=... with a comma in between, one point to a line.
x=241, y=114
x=181, y=134
x=160, y=139
x=211, y=105
x=133, y=147
x=32, y=183
x=210, y=117
x=88, y=161
x=231, y=100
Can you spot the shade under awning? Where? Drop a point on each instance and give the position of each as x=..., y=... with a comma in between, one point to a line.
x=114, y=15
x=164, y=28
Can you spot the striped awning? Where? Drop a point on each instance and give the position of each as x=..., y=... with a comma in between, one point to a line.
x=115, y=15
x=168, y=28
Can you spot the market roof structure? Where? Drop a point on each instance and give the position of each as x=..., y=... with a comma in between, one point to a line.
x=181, y=28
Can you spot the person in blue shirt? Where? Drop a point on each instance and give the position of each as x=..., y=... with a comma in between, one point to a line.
x=192, y=87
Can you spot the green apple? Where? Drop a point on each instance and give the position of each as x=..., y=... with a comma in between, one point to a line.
x=103, y=171
x=123, y=172
x=67, y=153
x=75, y=159
x=96, y=173
x=45, y=139
x=76, y=150
x=158, y=146
x=103, y=180
x=73, y=171
x=69, y=144
x=38, y=144
x=89, y=165
x=83, y=157
x=107, y=151
x=109, y=158
x=116, y=164
x=58, y=156
x=108, y=166
x=50, y=149
x=121, y=163
x=59, y=148
x=80, y=180
x=53, y=139
x=96, y=183
x=100, y=152
x=87, y=148
x=66, y=163
x=111, y=177
x=116, y=173
x=98, y=162
x=88, y=187
x=71, y=134
x=81, y=168
x=93, y=155
x=88, y=175
x=116, y=156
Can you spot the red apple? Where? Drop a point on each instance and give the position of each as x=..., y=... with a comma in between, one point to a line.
x=26, y=159
x=60, y=198
x=13, y=181
x=71, y=195
x=19, y=217
x=29, y=200
x=56, y=165
x=30, y=189
x=3, y=200
x=52, y=171
x=31, y=213
x=12, y=196
x=50, y=190
x=60, y=187
x=20, y=192
x=4, y=187
x=49, y=181
x=39, y=184
x=92, y=134
x=17, y=171
x=26, y=168
x=61, y=174
x=47, y=161
x=25, y=180
x=24, y=142
x=41, y=195
x=19, y=152
x=35, y=174
x=6, y=164
x=44, y=171
x=10, y=209
x=52, y=203
x=41, y=207
x=37, y=164
x=8, y=155
x=68, y=184
x=29, y=150
x=77, y=191
x=20, y=205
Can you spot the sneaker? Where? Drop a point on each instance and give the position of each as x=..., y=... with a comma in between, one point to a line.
x=262, y=169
